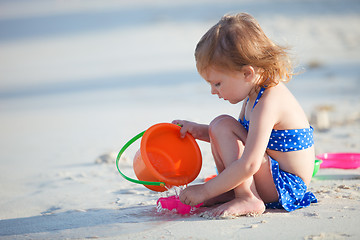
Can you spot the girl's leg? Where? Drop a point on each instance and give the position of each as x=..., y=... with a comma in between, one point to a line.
x=227, y=138
x=228, y=196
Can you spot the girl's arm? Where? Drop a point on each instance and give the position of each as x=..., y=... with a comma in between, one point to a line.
x=262, y=121
x=198, y=131
x=252, y=157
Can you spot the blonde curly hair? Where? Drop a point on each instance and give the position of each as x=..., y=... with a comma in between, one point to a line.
x=238, y=40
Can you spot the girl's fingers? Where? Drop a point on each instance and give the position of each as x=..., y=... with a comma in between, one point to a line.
x=178, y=122
x=183, y=129
x=183, y=132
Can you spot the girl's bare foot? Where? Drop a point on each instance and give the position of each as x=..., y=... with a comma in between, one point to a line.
x=223, y=198
x=239, y=207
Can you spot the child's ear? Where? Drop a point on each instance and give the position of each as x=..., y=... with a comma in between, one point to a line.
x=249, y=73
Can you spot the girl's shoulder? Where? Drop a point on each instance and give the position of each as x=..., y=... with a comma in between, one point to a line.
x=279, y=97
x=287, y=110
x=279, y=91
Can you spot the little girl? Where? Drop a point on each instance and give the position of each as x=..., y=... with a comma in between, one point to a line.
x=266, y=157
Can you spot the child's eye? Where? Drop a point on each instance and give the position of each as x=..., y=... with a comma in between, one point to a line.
x=217, y=84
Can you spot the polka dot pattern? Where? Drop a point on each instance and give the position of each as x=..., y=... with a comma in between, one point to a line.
x=291, y=189
x=291, y=139
x=285, y=140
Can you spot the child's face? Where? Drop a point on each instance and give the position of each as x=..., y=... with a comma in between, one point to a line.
x=232, y=86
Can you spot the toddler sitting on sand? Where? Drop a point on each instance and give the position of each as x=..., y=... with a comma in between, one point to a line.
x=265, y=158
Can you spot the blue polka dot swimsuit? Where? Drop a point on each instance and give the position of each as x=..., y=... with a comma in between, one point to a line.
x=291, y=189
x=291, y=139
x=285, y=140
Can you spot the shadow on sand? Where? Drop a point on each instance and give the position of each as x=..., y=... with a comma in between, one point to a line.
x=81, y=221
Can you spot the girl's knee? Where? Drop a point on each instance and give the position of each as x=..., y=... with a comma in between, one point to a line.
x=225, y=125
x=221, y=123
x=220, y=119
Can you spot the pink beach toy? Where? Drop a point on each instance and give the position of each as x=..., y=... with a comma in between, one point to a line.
x=340, y=160
x=173, y=202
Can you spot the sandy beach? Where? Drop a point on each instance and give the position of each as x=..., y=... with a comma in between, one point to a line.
x=78, y=79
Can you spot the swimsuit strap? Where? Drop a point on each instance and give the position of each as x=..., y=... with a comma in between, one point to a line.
x=259, y=96
x=256, y=101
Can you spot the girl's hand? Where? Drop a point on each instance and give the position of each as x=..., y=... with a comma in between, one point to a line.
x=186, y=126
x=193, y=195
x=198, y=131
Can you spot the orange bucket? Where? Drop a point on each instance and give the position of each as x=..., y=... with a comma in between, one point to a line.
x=164, y=158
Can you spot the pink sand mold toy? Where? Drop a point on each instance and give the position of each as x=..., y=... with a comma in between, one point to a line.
x=340, y=160
x=173, y=203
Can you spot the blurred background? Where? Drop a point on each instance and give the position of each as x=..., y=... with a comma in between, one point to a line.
x=61, y=47
x=80, y=78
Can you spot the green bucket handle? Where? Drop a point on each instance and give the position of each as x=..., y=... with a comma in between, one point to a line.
x=131, y=141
